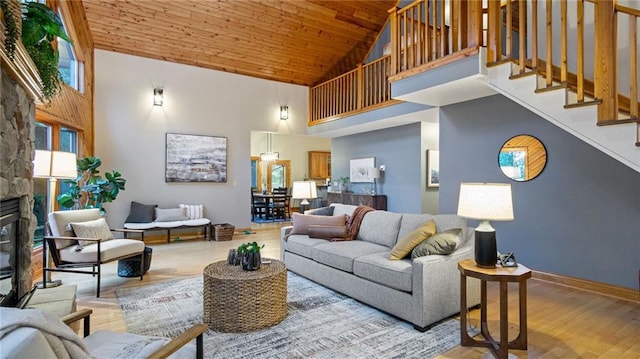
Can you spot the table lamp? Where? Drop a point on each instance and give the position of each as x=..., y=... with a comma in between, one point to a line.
x=304, y=190
x=485, y=202
x=374, y=173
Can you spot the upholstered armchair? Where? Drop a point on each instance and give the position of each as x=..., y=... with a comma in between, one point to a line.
x=33, y=333
x=82, y=239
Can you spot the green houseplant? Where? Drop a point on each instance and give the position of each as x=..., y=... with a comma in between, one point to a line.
x=90, y=190
x=41, y=26
x=250, y=255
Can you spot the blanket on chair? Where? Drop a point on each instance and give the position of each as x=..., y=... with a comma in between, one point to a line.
x=62, y=339
x=353, y=223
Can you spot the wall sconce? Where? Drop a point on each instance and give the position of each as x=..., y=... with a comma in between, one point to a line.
x=158, y=96
x=284, y=112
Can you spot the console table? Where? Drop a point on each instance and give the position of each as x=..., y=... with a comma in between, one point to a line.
x=378, y=201
x=504, y=275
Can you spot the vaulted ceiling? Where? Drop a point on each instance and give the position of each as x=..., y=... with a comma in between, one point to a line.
x=296, y=41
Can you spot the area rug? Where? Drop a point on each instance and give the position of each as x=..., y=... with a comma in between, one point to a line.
x=320, y=324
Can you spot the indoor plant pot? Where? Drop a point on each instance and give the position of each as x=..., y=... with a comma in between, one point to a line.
x=250, y=255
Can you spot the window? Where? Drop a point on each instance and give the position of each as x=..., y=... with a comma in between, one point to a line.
x=41, y=185
x=68, y=143
x=70, y=68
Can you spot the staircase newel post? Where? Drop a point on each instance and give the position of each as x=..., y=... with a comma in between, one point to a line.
x=605, y=84
x=471, y=25
x=393, y=23
x=494, y=43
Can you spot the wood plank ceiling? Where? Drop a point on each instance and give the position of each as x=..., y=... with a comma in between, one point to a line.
x=296, y=41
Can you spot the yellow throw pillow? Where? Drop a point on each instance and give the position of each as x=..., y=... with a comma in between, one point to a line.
x=405, y=245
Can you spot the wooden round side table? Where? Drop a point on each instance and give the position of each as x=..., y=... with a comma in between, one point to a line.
x=504, y=275
x=236, y=300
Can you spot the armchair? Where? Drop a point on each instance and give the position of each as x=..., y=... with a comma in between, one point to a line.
x=81, y=239
x=32, y=333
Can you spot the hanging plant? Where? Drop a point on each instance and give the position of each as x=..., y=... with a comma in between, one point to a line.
x=41, y=26
x=11, y=21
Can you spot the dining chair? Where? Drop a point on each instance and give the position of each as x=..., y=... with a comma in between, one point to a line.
x=258, y=206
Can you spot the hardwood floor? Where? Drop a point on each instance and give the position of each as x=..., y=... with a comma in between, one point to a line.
x=563, y=322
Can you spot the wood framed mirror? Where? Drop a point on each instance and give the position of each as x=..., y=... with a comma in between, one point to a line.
x=522, y=158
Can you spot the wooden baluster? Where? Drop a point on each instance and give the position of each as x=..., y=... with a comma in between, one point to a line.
x=563, y=41
x=522, y=35
x=427, y=32
x=410, y=40
x=549, y=32
x=434, y=29
x=454, y=20
x=633, y=69
x=509, y=31
x=420, y=34
x=493, y=32
x=360, y=80
x=580, y=50
x=393, y=25
x=443, y=34
x=471, y=27
x=605, y=58
x=534, y=34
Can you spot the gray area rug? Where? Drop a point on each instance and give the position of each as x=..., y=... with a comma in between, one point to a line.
x=320, y=324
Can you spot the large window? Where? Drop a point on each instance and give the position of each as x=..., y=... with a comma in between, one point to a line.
x=41, y=185
x=70, y=68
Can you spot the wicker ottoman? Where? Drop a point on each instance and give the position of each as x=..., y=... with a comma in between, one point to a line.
x=236, y=300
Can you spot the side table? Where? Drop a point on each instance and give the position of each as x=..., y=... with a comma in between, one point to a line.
x=236, y=300
x=504, y=275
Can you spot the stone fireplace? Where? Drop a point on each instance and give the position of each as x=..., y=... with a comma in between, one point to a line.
x=17, y=111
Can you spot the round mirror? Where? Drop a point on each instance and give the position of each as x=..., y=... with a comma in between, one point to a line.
x=522, y=158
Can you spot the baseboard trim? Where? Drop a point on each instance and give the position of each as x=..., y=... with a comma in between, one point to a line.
x=590, y=286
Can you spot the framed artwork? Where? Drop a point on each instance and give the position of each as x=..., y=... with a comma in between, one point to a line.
x=195, y=158
x=359, y=169
x=433, y=168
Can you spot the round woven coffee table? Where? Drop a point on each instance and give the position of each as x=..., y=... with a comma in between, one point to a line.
x=236, y=300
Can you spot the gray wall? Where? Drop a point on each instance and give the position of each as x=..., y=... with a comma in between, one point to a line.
x=399, y=149
x=580, y=217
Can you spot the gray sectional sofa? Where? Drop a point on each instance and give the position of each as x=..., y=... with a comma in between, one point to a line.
x=422, y=291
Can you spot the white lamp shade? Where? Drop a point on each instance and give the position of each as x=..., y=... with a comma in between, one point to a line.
x=54, y=164
x=486, y=201
x=374, y=173
x=304, y=190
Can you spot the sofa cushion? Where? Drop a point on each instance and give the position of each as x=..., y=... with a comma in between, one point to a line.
x=322, y=211
x=380, y=227
x=442, y=243
x=340, y=255
x=97, y=228
x=141, y=213
x=406, y=244
x=301, y=222
x=110, y=250
x=302, y=244
x=411, y=221
x=327, y=232
x=340, y=209
x=171, y=214
x=378, y=268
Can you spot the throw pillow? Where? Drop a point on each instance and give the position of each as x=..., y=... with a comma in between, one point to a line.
x=442, y=243
x=405, y=244
x=194, y=211
x=141, y=213
x=327, y=232
x=322, y=211
x=301, y=222
x=98, y=228
x=171, y=214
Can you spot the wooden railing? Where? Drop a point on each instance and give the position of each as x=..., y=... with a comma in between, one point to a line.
x=544, y=37
x=364, y=88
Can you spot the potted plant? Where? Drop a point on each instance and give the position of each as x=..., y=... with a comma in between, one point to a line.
x=250, y=254
x=90, y=190
x=41, y=26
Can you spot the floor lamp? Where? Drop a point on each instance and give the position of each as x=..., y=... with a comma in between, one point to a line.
x=304, y=190
x=53, y=165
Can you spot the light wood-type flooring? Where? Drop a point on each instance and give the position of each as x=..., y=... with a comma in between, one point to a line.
x=563, y=322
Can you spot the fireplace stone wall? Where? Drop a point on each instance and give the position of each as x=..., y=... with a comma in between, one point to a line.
x=17, y=111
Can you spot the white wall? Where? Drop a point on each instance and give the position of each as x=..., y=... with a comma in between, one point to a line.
x=130, y=131
x=291, y=147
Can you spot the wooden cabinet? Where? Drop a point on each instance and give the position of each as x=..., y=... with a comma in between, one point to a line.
x=319, y=164
x=378, y=201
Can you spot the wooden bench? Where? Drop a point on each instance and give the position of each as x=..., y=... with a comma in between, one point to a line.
x=205, y=223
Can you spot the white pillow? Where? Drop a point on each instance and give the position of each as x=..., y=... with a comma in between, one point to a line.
x=171, y=214
x=194, y=211
x=97, y=228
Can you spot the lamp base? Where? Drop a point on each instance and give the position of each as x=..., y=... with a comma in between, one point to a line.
x=486, y=252
x=50, y=284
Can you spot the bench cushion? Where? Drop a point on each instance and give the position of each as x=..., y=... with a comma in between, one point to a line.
x=172, y=224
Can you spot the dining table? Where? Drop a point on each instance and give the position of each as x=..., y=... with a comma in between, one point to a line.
x=268, y=199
